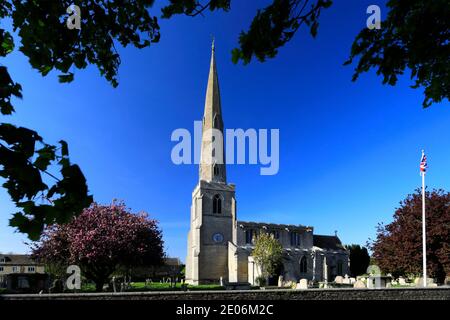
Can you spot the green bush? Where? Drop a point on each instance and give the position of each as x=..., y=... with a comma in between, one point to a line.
x=261, y=281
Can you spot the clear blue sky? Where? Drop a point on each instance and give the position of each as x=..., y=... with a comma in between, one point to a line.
x=349, y=152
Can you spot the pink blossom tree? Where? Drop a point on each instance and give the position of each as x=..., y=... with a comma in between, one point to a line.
x=101, y=239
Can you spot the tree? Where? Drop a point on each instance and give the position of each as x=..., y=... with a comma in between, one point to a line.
x=398, y=245
x=271, y=28
x=25, y=159
x=100, y=240
x=359, y=259
x=415, y=35
x=268, y=253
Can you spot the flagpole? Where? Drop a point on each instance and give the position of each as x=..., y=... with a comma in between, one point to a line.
x=424, y=244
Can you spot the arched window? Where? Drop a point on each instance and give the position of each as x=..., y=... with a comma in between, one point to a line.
x=216, y=122
x=213, y=147
x=216, y=170
x=340, y=267
x=303, y=265
x=249, y=235
x=217, y=204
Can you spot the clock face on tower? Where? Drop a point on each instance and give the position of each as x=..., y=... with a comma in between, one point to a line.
x=217, y=237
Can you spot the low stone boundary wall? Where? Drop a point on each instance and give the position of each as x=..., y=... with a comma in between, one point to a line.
x=440, y=293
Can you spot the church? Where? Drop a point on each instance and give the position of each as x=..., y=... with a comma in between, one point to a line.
x=220, y=246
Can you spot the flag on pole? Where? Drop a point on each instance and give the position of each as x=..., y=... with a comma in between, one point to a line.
x=423, y=169
x=423, y=162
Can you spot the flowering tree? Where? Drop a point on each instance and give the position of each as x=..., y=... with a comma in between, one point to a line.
x=101, y=239
x=398, y=246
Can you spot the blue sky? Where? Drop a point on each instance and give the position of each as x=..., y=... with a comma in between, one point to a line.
x=349, y=152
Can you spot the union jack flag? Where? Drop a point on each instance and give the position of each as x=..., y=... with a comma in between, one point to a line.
x=423, y=163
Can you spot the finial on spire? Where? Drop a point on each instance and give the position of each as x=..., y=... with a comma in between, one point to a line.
x=212, y=44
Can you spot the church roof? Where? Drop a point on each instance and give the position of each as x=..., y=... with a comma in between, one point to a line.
x=273, y=225
x=327, y=242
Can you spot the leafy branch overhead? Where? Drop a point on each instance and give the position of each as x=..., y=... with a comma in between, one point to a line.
x=49, y=44
x=43, y=198
x=270, y=29
x=415, y=35
x=24, y=160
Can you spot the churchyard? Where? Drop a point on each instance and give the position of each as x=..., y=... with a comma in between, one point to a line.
x=340, y=282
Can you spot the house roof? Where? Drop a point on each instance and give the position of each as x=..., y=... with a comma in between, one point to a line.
x=17, y=259
x=328, y=242
x=172, y=261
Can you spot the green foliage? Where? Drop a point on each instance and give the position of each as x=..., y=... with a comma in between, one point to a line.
x=193, y=7
x=268, y=253
x=8, y=89
x=270, y=29
x=23, y=157
x=261, y=281
x=275, y=25
x=415, y=35
x=359, y=259
x=49, y=45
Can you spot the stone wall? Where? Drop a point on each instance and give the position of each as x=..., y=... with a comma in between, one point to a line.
x=440, y=293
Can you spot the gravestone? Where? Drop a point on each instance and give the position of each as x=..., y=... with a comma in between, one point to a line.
x=346, y=280
x=419, y=281
x=352, y=280
x=359, y=284
x=280, y=281
x=113, y=283
x=57, y=286
x=339, y=279
x=302, y=284
x=402, y=281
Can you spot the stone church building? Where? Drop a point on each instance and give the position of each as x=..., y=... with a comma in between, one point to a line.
x=220, y=246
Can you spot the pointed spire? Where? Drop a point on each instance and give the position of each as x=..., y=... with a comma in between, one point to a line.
x=212, y=162
x=212, y=101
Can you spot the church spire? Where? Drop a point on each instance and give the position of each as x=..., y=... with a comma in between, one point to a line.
x=212, y=160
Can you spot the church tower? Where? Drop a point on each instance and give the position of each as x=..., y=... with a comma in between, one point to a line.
x=213, y=209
